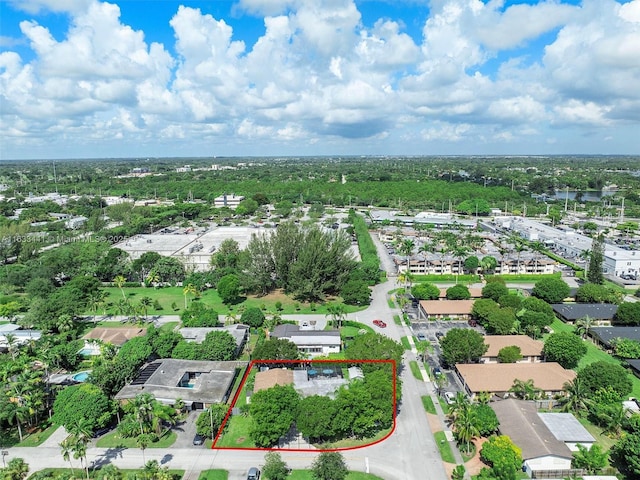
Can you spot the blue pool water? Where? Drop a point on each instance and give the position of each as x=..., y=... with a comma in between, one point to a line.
x=81, y=377
x=86, y=351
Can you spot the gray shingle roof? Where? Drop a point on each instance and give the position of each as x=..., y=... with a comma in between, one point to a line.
x=574, y=311
x=606, y=334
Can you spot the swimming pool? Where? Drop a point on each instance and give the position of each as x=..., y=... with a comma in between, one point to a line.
x=81, y=376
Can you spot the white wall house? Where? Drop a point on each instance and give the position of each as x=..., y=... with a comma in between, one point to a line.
x=312, y=343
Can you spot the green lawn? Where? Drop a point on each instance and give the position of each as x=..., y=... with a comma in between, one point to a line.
x=306, y=475
x=397, y=320
x=605, y=442
x=168, y=296
x=595, y=354
x=428, y=405
x=444, y=447
x=415, y=369
x=113, y=440
x=169, y=326
x=405, y=343
x=351, y=442
x=214, y=475
x=237, y=433
x=36, y=438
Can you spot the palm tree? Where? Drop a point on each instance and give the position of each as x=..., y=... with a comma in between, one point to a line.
x=483, y=398
x=142, y=408
x=146, y=302
x=152, y=279
x=67, y=450
x=465, y=426
x=584, y=325
x=142, y=441
x=65, y=323
x=440, y=382
x=586, y=256
x=460, y=402
x=190, y=289
x=337, y=312
x=12, y=344
x=576, y=397
x=96, y=299
x=81, y=432
x=119, y=282
x=123, y=307
x=525, y=390
x=406, y=248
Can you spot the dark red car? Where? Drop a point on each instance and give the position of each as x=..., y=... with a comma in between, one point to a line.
x=379, y=323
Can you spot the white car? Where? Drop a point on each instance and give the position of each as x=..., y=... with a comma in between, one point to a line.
x=449, y=397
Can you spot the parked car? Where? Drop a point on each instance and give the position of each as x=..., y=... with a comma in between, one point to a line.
x=421, y=337
x=198, y=439
x=379, y=323
x=449, y=397
x=254, y=474
x=439, y=335
x=437, y=371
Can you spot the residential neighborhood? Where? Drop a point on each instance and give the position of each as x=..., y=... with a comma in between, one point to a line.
x=467, y=346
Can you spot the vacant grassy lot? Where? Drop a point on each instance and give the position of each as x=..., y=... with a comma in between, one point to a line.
x=172, y=301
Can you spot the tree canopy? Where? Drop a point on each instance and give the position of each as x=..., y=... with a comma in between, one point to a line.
x=86, y=401
x=462, y=345
x=551, y=290
x=565, y=348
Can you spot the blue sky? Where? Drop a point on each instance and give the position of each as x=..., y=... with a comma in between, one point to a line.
x=131, y=78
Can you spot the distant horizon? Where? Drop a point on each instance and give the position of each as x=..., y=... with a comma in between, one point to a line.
x=324, y=156
x=89, y=79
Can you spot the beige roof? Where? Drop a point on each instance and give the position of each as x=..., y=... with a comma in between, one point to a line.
x=528, y=346
x=116, y=336
x=474, y=292
x=447, y=307
x=499, y=377
x=272, y=377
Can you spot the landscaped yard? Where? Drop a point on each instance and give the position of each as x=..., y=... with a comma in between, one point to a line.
x=595, y=354
x=113, y=440
x=36, y=438
x=237, y=433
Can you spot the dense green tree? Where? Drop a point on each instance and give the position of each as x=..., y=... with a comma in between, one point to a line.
x=626, y=455
x=458, y=292
x=503, y=455
x=482, y=308
x=525, y=390
x=228, y=255
x=565, y=348
x=169, y=270
x=603, y=374
x=626, y=348
x=16, y=469
x=210, y=420
x=141, y=267
x=274, y=467
x=373, y=346
x=551, y=290
x=596, y=259
x=272, y=413
x=462, y=345
x=315, y=416
x=533, y=323
x=356, y=292
x=276, y=349
x=512, y=301
x=628, y=314
x=253, y=317
x=576, y=397
x=494, y=290
x=218, y=346
x=486, y=420
x=199, y=315
x=471, y=264
x=501, y=322
x=329, y=466
x=510, y=354
x=594, y=293
x=84, y=401
x=229, y=289
x=425, y=291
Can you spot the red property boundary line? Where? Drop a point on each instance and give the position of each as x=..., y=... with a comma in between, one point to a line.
x=303, y=362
